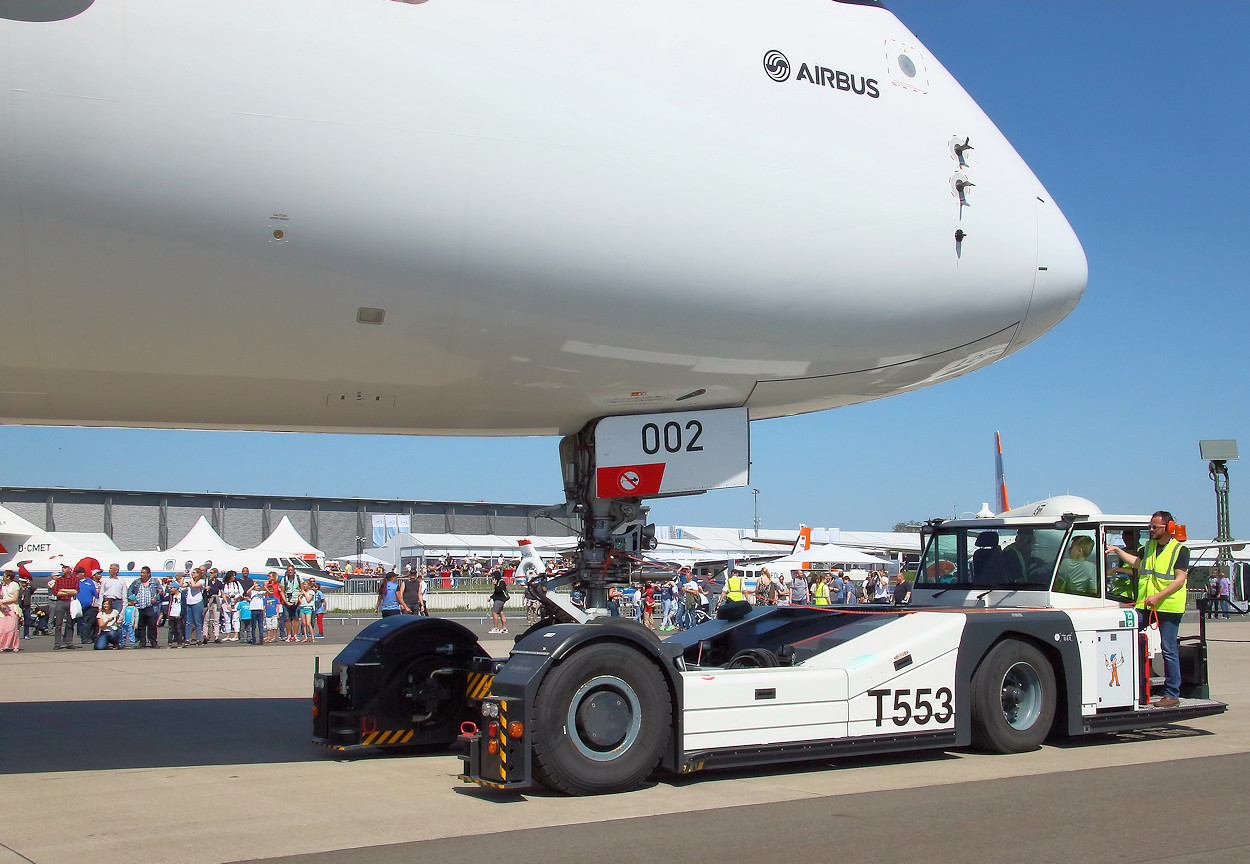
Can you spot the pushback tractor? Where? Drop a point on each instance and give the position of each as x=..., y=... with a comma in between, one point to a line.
x=1019, y=629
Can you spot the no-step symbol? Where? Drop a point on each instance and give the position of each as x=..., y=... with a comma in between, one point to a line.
x=629, y=480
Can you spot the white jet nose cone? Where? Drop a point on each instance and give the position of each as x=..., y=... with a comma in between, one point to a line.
x=1062, y=272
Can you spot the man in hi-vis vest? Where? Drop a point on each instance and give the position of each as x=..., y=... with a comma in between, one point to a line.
x=1162, y=570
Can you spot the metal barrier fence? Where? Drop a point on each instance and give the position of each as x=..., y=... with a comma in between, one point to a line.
x=435, y=601
x=369, y=584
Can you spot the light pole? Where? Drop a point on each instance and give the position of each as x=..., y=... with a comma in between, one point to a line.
x=756, y=493
x=1218, y=454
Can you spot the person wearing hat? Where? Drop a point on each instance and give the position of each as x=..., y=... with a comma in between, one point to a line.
x=64, y=589
x=25, y=598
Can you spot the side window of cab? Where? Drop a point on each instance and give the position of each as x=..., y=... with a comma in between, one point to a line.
x=1077, y=572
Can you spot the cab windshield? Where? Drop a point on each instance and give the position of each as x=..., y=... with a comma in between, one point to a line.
x=1016, y=558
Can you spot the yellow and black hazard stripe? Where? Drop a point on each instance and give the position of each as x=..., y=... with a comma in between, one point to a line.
x=503, y=739
x=478, y=685
x=388, y=736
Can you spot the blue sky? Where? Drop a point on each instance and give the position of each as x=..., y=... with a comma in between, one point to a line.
x=1133, y=115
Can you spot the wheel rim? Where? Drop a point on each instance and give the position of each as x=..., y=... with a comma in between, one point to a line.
x=604, y=718
x=1022, y=696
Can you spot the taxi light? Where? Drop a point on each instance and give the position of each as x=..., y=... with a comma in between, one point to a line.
x=493, y=730
x=492, y=746
x=515, y=729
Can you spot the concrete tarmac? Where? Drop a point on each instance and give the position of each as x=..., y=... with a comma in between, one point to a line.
x=201, y=755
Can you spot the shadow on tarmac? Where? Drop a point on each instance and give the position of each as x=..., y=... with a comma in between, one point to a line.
x=153, y=733
x=1156, y=733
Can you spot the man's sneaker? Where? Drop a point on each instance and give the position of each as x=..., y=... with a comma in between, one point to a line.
x=504, y=630
x=493, y=630
x=321, y=635
x=1167, y=702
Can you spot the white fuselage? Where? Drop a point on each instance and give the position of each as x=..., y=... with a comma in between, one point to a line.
x=565, y=210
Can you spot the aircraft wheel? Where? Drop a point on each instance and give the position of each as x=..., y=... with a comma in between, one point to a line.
x=1013, y=698
x=603, y=719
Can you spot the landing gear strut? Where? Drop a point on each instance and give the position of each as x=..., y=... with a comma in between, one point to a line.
x=612, y=529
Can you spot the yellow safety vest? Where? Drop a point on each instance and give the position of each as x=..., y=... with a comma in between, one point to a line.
x=1157, y=572
x=734, y=584
x=820, y=594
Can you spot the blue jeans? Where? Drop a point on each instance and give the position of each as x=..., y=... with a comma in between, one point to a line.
x=686, y=618
x=86, y=625
x=1169, y=637
x=193, y=621
x=107, y=638
x=258, y=629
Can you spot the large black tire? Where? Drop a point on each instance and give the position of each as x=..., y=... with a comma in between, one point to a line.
x=602, y=721
x=1013, y=698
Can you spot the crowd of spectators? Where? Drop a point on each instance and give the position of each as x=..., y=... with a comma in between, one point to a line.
x=205, y=606
x=202, y=606
x=685, y=600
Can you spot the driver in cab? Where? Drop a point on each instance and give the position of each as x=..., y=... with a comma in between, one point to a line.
x=1017, y=561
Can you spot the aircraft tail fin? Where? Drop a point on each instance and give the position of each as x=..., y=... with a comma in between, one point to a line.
x=1000, y=479
x=531, y=562
x=803, y=542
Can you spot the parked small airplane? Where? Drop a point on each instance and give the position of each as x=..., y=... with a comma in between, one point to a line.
x=44, y=552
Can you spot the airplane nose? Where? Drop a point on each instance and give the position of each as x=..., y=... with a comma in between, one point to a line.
x=1062, y=272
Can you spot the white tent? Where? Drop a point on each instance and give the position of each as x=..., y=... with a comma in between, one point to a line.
x=484, y=546
x=363, y=559
x=202, y=538
x=287, y=541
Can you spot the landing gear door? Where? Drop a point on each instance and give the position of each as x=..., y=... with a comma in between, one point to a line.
x=669, y=454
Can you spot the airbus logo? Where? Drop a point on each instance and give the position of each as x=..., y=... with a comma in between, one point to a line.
x=778, y=67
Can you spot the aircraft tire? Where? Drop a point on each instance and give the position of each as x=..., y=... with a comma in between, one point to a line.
x=602, y=721
x=1013, y=698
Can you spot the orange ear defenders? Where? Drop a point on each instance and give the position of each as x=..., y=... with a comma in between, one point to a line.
x=1177, y=530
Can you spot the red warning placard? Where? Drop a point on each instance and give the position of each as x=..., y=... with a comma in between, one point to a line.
x=629, y=480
